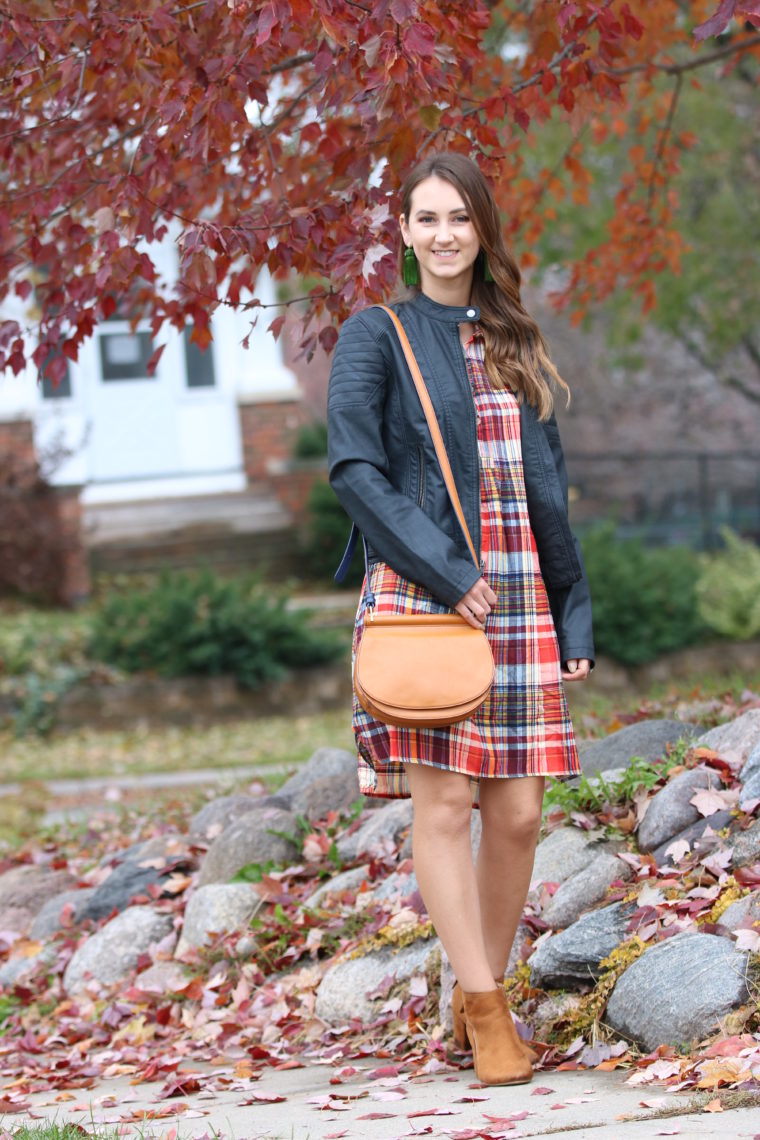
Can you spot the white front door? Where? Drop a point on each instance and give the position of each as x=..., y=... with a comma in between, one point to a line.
x=132, y=416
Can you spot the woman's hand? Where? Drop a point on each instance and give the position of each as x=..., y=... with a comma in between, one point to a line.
x=576, y=669
x=477, y=604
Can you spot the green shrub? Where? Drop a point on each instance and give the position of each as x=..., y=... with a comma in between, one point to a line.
x=728, y=589
x=200, y=624
x=644, y=600
x=328, y=528
x=311, y=441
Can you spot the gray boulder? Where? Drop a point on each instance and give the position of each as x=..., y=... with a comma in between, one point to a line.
x=24, y=891
x=742, y=911
x=584, y=889
x=48, y=921
x=21, y=969
x=386, y=823
x=216, y=909
x=163, y=977
x=737, y=739
x=751, y=765
x=216, y=816
x=563, y=853
x=645, y=738
x=256, y=837
x=678, y=990
x=322, y=763
x=349, y=880
x=398, y=885
x=692, y=834
x=138, y=868
x=114, y=950
x=328, y=793
x=573, y=955
x=342, y=993
x=750, y=791
x=670, y=811
x=745, y=846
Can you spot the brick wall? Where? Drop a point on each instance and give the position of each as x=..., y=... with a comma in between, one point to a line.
x=269, y=431
x=17, y=442
x=43, y=550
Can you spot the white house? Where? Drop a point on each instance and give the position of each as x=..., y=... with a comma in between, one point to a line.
x=199, y=453
x=132, y=436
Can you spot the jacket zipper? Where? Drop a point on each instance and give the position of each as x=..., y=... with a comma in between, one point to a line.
x=421, y=488
x=477, y=537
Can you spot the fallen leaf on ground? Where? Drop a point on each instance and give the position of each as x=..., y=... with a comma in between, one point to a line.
x=10, y=1106
x=441, y=1111
x=709, y=800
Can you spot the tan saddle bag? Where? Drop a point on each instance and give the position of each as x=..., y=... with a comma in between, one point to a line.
x=422, y=670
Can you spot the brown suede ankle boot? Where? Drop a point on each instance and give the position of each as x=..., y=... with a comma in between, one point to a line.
x=496, y=1051
x=461, y=1039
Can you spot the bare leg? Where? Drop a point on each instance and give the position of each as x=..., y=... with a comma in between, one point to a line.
x=445, y=871
x=510, y=812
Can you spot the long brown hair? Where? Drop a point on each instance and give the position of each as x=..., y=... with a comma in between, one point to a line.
x=516, y=353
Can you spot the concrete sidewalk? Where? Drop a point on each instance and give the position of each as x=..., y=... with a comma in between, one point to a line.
x=302, y=1104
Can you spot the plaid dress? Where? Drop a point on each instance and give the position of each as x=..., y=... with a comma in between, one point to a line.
x=524, y=728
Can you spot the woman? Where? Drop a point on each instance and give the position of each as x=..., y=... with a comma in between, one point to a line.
x=490, y=379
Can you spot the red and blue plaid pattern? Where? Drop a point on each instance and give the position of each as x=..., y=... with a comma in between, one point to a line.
x=524, y=728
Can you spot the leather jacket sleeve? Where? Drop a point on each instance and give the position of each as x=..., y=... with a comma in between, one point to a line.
x=396, y=528
x=570, y=605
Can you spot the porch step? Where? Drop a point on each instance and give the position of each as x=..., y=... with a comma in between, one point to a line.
x=253, y=511
x=229, y=532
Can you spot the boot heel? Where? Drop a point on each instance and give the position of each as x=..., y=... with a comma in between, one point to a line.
x=461, y=1040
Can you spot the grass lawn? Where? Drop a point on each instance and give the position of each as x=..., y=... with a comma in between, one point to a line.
x=275, y=742
x=266, y=742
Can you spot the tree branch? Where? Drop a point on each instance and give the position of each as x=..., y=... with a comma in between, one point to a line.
x=84, y=159
x=732, y=380
x=667, y=127
x=740, y=385
x=285, y=113
x=553, y=64
x=691, y=65
x=289, y=64
x=59, y=118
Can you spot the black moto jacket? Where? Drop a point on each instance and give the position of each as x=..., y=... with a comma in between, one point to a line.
x=384, y=469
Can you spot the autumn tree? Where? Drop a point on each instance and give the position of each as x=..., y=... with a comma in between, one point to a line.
x=710, y=305
x=275, y=132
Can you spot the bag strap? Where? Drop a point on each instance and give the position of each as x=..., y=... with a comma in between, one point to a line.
x=435, y=431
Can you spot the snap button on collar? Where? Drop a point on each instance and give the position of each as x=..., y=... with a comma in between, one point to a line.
x=470, y=312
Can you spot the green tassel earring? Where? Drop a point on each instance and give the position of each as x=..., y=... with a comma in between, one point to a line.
x=487, y=274
x=411, y=271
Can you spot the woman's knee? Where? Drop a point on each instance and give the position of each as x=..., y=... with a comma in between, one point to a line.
x=513, y=819
x=442, y=803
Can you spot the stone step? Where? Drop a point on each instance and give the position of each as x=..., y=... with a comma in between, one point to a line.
x=253, y=511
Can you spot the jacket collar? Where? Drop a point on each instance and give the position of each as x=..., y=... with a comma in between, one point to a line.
x=452, y=314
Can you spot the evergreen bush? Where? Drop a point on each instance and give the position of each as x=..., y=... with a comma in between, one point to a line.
x=327, y=531
x=311, y=441
x=191, y=624
x=644, y=600
x=728, y=589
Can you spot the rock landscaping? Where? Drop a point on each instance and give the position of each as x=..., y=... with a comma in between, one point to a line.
x=291, y=925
